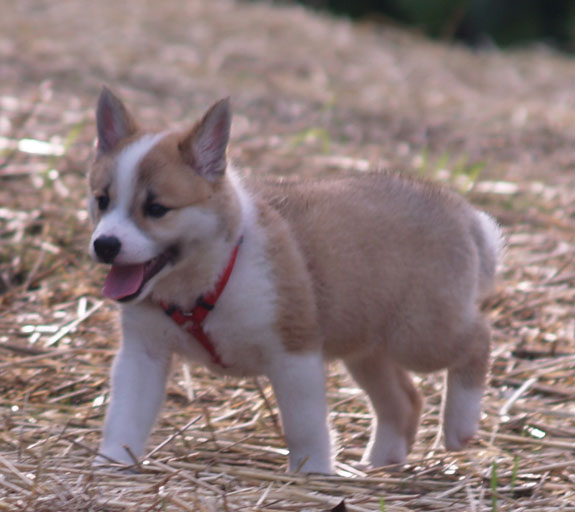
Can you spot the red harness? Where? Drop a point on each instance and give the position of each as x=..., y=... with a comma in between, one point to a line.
x=193, y=321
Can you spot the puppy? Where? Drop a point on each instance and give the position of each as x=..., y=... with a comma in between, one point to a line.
x=258, y=278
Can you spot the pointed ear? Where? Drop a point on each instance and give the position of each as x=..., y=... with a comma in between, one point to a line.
x=204, y=146
x=113, y=120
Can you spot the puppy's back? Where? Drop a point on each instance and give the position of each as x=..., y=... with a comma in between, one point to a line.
x=387, y=254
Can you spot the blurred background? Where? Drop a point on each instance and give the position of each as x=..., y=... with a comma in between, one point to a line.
x=479, y=23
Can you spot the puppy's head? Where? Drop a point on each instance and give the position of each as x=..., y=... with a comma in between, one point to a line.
x=154, y=196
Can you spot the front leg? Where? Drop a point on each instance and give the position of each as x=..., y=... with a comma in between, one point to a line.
x=138, y=383
x=299, y=385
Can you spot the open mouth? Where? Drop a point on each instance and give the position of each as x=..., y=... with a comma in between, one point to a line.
x=125, y=282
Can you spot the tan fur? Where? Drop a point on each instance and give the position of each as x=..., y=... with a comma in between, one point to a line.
x=296, y=307
x=163, y=173
x=390, y=259
x=101, y=168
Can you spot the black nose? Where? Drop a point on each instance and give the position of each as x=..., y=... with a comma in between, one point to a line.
x=107, y=248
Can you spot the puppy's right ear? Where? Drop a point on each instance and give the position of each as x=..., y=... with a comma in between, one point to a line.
x=113, y=120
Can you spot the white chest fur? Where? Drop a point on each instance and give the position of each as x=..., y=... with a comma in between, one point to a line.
x=242, y=326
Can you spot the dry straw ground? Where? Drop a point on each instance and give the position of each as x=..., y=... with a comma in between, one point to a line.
x=313, y=96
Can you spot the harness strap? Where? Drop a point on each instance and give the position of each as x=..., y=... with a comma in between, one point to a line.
x=193, y=321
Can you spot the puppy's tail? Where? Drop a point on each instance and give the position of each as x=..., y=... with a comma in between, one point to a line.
x=490, y=244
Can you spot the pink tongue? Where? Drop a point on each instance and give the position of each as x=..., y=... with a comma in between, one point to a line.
x=123, y=280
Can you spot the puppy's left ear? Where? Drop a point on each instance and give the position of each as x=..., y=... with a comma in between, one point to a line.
x=204, y=146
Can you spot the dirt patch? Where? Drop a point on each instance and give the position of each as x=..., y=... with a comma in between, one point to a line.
x=312, y=96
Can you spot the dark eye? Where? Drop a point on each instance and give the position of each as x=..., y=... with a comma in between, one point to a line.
x=155, y=210
x=103, y=202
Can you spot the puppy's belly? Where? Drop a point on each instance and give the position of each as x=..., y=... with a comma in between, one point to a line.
x=419, y=341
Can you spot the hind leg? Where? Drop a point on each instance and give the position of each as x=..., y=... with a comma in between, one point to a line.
x=465, y=383
x=396, y=405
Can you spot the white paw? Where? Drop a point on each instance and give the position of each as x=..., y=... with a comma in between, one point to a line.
x=107, y=464
x=310, y=464
x=100, y=461
x=387, y=447
x=459, y=432
x=461, y=417
x=118, y=455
